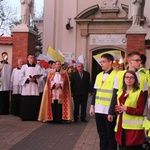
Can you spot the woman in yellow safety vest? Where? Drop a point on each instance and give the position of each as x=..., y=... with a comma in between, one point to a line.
x=130, y=107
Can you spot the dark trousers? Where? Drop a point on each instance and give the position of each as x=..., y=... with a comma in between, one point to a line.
x=137, y=147
x=57, y=112
x=106, y=132
x=41, y=94
x=80, y=100
x=15, y=104
x=29, y=109
x=4, y=102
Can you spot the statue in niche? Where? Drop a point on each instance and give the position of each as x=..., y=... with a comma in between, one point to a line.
x=27, y=9
x=136, y=11
x=110, y=3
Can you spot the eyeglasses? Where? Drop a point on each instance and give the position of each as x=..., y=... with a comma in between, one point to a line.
x=131, y=78
x=101, y=62
x=137, y=60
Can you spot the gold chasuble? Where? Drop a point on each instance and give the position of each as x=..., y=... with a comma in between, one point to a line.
x=65, y=98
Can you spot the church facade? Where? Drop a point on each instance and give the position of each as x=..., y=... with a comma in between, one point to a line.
x=92, y=27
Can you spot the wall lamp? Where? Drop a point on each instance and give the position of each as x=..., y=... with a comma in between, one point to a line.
x=68, y=26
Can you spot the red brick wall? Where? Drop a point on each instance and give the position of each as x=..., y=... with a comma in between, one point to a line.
x=5, y=40
x=23, y=44
x=135, y=42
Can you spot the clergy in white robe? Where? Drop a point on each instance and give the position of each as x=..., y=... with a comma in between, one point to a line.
x=16, y=89
x=30, y=80
x=56, y=104
x=44, y=75
x=5, y=75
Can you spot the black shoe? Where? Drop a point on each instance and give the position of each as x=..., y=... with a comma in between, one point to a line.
x=83, y=120
x=76, y=120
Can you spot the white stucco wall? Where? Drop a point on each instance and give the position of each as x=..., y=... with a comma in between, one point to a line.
x=49, y=23
x=57, y=12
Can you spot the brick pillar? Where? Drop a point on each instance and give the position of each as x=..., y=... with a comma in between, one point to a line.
x=136, y=40
x=23, y=44
x=135, y=43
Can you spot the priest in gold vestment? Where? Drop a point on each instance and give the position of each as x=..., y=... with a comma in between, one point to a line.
x=56, y=102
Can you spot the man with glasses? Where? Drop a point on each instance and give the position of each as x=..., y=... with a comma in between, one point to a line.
x=101, y=101
x=134, y=62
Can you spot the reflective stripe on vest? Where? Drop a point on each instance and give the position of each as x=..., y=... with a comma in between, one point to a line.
x=130, y=121
x=133, y=124
x=105, y=91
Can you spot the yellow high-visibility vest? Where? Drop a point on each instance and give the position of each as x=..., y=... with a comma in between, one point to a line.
x=148, y=77
x=143, y=70
x=104, y=90
x=132, y=122
x=146, y=125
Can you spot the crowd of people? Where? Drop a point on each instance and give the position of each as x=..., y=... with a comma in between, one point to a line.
x=120, y=99
x=34, y=93
x=120, y=104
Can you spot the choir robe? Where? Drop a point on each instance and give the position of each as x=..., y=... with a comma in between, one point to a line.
x=16, y=91
x=41, y=87
x=64, y=99
x=30, y=100
x=5, y=87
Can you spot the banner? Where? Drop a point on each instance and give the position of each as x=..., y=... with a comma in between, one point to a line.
x=115, y=53
x=53, y=55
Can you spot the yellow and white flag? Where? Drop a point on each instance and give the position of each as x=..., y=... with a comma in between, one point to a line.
x=115, y=53
x=53, y=55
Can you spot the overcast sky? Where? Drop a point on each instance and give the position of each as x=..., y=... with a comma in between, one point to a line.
x=12, y=9
x=15, y=4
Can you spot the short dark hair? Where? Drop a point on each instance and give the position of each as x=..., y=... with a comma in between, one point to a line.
x=132, y=54
x=51, y=62
x=108, y=56
x=30, y=55
x=4, y=53
x=143, y=59
x=136, y=83
x=57, y=61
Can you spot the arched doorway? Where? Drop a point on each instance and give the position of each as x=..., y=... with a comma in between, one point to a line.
x=96, y=68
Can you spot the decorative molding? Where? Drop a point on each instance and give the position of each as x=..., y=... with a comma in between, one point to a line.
x=87, y=12
x=23, y=28
x=107, y=39
x=136, y=30
x=110, y=4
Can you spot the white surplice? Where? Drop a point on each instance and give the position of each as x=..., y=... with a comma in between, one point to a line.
x=30, y=88
x=57, y=80
x=15, y=83
x=42, y=85
x=5, y=77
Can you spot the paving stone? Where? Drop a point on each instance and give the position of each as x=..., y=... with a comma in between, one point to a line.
x=32, y=135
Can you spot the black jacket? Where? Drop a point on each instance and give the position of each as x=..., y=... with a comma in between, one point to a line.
x=81, y=86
